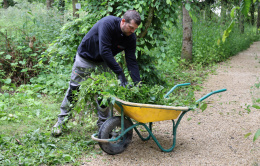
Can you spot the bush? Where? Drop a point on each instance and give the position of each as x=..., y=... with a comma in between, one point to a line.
x=26, y=31
x=207, y=48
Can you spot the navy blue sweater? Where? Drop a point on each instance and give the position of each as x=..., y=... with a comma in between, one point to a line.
x=106, y=39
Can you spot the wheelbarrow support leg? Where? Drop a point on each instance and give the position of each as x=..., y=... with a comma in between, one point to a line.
x=175, y=126
x=149, y=130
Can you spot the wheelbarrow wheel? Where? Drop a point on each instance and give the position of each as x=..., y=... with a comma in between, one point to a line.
x=110, y=130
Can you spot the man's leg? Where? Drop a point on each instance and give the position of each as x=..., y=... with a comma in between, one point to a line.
x=103, y=113
x=80, y=70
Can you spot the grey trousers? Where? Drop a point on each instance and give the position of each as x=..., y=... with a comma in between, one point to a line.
x=80, y=70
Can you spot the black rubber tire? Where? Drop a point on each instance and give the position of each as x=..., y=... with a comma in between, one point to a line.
x=111, y=128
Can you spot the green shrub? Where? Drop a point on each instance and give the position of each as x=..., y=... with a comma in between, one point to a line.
x=207, y=49
x=26, y=31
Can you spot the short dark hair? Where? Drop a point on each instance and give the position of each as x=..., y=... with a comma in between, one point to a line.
x=132, y=15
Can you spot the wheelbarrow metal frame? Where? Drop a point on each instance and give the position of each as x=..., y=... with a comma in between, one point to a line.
x=149, y=129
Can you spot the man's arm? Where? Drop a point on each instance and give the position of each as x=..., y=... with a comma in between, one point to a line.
x=105, y=42
x=131, y=61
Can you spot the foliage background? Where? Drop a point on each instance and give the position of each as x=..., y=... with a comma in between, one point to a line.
x=33, y=80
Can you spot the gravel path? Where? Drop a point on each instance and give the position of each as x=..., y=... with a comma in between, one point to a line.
x=213, y=137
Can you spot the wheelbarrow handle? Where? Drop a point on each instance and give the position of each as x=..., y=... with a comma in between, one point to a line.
x=166, y=96
x=209, y=94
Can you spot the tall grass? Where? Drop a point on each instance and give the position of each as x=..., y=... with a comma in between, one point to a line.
x=26, y=30
x=208, y=47
x=31, y=19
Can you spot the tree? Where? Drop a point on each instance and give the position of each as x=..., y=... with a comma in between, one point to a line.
x=74, y=2
x=258, y=17
x=252, y=12
x=243, y=9
x=241, y=21
x=187, y=33
x=6, y=4
x=49, y=3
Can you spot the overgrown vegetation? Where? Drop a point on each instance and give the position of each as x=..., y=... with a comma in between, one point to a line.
x=105, y=86
x=36, y=54
x=26, y=31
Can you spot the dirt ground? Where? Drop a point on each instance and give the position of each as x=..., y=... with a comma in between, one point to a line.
x=213, y=137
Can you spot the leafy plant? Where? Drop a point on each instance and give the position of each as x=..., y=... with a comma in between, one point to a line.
x=26, y=30
x=105, y=86
x=26, y=120
x=257, y=134
x=154, y=16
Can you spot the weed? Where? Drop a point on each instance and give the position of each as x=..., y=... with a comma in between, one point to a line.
x=26, y=30
x=25, y=138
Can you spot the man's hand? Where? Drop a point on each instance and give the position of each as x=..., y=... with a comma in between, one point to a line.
x=123, y=81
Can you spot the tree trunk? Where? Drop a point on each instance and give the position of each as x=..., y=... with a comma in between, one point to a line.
x=252, y=12
x=74, y=8
x=6, y=4
x=258, y=17
x=241, y=22
x=187, y=34
x=48, y=4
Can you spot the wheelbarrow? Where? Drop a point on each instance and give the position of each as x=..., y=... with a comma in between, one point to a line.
x=116, y=132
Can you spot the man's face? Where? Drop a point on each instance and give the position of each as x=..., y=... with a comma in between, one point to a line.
x=128, y=28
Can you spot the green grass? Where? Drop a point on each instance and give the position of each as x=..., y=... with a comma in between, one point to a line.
x=26, y=112
x=25, y=132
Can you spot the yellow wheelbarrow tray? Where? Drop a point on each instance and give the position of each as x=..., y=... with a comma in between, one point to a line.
x=145, y=113
x=116, y=132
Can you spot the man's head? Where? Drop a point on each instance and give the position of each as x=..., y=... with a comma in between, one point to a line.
x=130, y=22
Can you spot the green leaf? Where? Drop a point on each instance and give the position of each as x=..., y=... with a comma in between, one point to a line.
x=162, y=48
x=257, y=134
x=187, y=6
x=29, y=92
x=27, y=50
x=247, y=135
x=67, y=157
x=104, y=3
x=8, y=57
x=24, y=70
x=256, y=106
x=203, y=107
x=232, y=14
x=110, y=9
x=245, y=6
x=8, y=81
x=169, y=2
x=227, y=31
x=193, y=17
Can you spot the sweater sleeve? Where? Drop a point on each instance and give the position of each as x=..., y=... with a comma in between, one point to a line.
x=105, y=40
x=131, y=61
